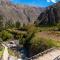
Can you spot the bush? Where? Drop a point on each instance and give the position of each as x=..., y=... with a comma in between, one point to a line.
x=9, y=24
x=21, y=38
x=58, y=26
x=38, y=45
x=5, y=35
x=17, y=24
x=1, y=23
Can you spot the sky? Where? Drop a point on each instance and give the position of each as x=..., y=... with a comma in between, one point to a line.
x=38, y=3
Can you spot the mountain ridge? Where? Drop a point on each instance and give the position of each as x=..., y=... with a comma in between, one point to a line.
x=50, y=16
x=27, y=14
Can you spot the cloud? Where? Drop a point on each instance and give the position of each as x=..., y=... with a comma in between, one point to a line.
x=48, y=0
x=54, y=1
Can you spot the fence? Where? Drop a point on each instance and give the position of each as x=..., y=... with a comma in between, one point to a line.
x=57, y=58
x=40, y=54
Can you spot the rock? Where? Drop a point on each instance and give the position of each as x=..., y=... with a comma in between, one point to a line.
x=27, y=14
x=21, y=13
x=50, y=16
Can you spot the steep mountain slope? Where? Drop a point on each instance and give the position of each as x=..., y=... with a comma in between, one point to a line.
x=28, y=14
x=50, y=16
x=21, y=13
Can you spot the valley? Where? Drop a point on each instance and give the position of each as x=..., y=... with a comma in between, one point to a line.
x=26, y=31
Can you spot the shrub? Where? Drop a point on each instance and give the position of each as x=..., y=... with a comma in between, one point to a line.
x=1, y=50
x=5, y=35
x=58, y=26
x=25, y=38
x=9, y=24
x=1, y=23
x=17, y=24
x=38, y=45
x=21, y=38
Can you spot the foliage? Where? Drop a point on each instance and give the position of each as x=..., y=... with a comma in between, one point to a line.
x=11, y=52
x=17, y=24
x=38, y=45
x=1, y=23
x=5, y=35
x=21, y=38
x=58, y=26
x=9, y=24
x=1, y=50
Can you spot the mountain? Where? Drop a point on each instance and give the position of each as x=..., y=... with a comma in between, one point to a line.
x=50, y=16
x=21, y=13
x=27, y=14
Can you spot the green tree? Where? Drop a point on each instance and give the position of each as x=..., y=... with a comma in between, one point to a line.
x=17, y=24
x=38, y=45
x=9, y=24
x=5, y=35
x=58, y=26
x=1, y=23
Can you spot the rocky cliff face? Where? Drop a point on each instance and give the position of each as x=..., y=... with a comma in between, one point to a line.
x=50, y=16
x=27, y=14
x=23, y=14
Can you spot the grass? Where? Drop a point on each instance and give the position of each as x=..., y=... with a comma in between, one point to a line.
x=57, y=44
x=52, y=28
x=11, y=52
x=1, y=51
x=36, y=39
x=53, y=43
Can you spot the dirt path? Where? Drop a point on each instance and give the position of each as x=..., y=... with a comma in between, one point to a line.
x=49, y=35
x=50, y=56
x=5, y=54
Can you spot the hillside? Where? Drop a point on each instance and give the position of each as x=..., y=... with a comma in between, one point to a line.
x=29, y=39
x=24, y=14
x=27, y=14
x=50, y=16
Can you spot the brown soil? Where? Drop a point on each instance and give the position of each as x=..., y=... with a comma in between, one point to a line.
x=55, y=35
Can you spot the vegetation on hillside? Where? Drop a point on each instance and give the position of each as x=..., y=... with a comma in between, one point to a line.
x=1, y=50
x=45, y=20
x=5, y=35
x=26, y=36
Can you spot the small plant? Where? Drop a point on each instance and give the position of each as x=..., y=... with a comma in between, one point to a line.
x=17, y=24
x=5, y=35
x=11, y=52
x=9, y=24
x=58, y=26
x=1, y=50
